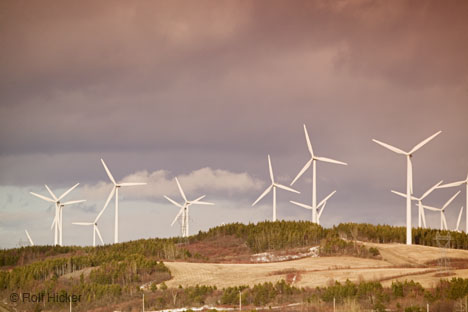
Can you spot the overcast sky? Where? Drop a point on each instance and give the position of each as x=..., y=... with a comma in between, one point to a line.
x=205, y=90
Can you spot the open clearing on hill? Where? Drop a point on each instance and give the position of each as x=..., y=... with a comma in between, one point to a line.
x=398, y=262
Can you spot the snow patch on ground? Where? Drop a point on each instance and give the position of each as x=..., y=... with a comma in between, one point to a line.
x=196, y=309
x=269, y=257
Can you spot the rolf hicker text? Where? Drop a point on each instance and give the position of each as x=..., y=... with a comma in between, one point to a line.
x=50, y=297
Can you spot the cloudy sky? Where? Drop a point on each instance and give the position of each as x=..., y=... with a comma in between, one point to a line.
x=205, y=90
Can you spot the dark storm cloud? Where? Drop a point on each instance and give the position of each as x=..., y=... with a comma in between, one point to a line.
x=108, y=76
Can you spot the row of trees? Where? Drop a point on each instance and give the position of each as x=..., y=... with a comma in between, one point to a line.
x=400, y=296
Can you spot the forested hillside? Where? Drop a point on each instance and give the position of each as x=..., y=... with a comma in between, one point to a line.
x=114, y=273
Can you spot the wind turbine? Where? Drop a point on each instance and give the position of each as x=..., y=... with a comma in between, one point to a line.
x=115, y=189
x=322, y=205
x=273, y=186
x=443, y=220
x=459, y=219
x=409, y=178
x=95, y=227
x=313, y=161
x=454, y=184
x=29, y=237
x=58, y=210
x=184, y=209
x=421, y=214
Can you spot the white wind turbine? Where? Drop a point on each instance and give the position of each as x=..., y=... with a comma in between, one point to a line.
x=273, y=186
x=421, y=214
x=409, y=178
x=320, y=207
x=313, y=161
x=184, y=209
x=115, y=189
x=459, y=183
x=58, y=210
x=459, y=219
x=95, y=227
x=29, y=237
x=443, y=220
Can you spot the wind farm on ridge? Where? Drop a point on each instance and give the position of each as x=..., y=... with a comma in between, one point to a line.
x=316, y=210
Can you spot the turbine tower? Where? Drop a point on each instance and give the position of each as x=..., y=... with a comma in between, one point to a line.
x=409, y=178
x=95, y=227
x=320, y=205
x=115, y=189
x=58, y=210
x=313, y=161
x=273, y=186
x=30, y=239
x=184, y=209
x=421, y=214
x=443, y=220
x=455, y=184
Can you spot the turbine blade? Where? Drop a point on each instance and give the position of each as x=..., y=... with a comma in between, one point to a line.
x=453, y=184
x=98, y=233
x=271, y=170
x=111, y=194
x=199, y=198
x=181, y=190
x=132, y=183
x=429, y=191
x=309, y=146
x=104, y=208
x=51, y=193
x=178, y=215
x=53, y=222
x=450, y=200
x=444, y=220
x=69, y=190
x=201, y=203
x=31, y=241
x=459, y=218
x=286, y=188
x=73, y=202
x=109, y=174
x=82, y=223
x=263, y=194
x=329, y=160
x=326, y=198
x=172, y=201
x=388, y=146
x=321, y=210
x=431, y=208
x=301, y=204
x=43, y=197
x=306, y=166
x=418, y=146
x=398, y=193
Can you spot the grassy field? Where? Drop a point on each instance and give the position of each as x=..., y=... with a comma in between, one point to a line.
x=399, y=262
